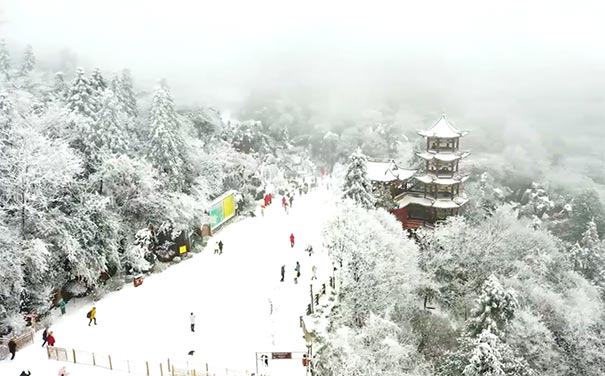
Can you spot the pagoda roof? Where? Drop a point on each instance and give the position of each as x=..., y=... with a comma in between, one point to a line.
x=434, y=179
x=443, y=129
x=444, y=157
x=407, y=199
x=387, y=171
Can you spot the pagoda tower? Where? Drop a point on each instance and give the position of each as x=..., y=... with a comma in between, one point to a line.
x=436, y=192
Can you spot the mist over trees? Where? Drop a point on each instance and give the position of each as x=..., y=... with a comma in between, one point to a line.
x=100, y=173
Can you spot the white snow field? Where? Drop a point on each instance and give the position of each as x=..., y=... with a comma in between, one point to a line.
x=239, y=302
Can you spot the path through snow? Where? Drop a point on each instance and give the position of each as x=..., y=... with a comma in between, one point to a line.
x=241, y=306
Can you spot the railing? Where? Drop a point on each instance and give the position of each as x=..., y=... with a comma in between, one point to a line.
x=139, y=367
x=22, y=340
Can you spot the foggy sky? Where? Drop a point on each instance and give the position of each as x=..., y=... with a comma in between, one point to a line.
x=475, y=59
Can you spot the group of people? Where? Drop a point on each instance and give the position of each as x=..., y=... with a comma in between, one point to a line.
x=309, y=249
x=48, y=337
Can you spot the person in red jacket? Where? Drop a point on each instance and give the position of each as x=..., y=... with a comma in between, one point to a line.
x=284, y=201
x=292, y=240
x=50, y=339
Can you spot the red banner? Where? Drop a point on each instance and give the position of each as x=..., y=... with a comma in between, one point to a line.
x=281, y=355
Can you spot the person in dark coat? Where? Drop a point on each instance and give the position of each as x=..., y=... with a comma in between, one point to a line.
x=283, y=272
x=220, y=247
x=192, y=320
x=291, y=200
x=44, y=336
x=28, y=373
x=12, y=347
x=297, y=269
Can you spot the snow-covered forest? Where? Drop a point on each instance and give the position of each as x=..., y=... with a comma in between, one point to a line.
x=103, y=170
x=98, y=179
x=512, y=287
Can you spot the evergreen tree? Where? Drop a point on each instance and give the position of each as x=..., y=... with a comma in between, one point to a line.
x=588, y=255
x=126, y=95
x=6, y=113
x=495, y=308
x=29, y=61
x=165, y=149
x=357, y=186
x=97, y=81
x=81, y=97
x=116, y=85
x=110, y=133
x=59, y=90
x=4, y=60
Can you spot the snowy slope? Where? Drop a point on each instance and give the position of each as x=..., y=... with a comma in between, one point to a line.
x=241, y=306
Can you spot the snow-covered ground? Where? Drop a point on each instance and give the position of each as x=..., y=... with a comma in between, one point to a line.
x=241, y=306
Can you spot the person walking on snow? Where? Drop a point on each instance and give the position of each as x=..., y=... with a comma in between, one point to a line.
x=292, y=240
x=192, y=319
x=62, y=306
x=297, y=269
x=50, y=339
x=44, y=336
x=92, y=316
x=220, y=247
x=283, y=272
x=284, y=202
x=291, y=199
x=309, y=249
x=314, y=270
x=12, y=347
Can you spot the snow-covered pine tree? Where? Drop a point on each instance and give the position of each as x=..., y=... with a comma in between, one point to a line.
x=116, y=85
x=588, y=255
x=5, y=64
x=81, y=97
x=165, y=149
x=126, y=95
x=59, y=91
x=29, y=61
x=6, y=113
x=97, y=81
x=485, y=357
x=110, y=133
x=357, y=186
x=98, y=84
x=496, y=306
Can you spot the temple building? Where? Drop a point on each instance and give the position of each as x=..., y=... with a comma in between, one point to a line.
x=389, y=176
x=431, y=195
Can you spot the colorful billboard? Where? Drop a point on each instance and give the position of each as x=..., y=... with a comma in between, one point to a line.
x=222, y=209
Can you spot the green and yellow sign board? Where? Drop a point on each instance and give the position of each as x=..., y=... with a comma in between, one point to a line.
x=222, y=209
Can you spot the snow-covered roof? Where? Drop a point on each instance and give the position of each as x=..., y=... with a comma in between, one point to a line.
x=387, y=171
x=450, y=204
x=430, y=178
x=443, y=129
x=445, y=157
x=407, y=199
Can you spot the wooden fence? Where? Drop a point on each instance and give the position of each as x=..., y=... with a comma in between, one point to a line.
x=139, y=367
x=22, y=340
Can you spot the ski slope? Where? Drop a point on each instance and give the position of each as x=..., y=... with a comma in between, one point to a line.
x=241, y=306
